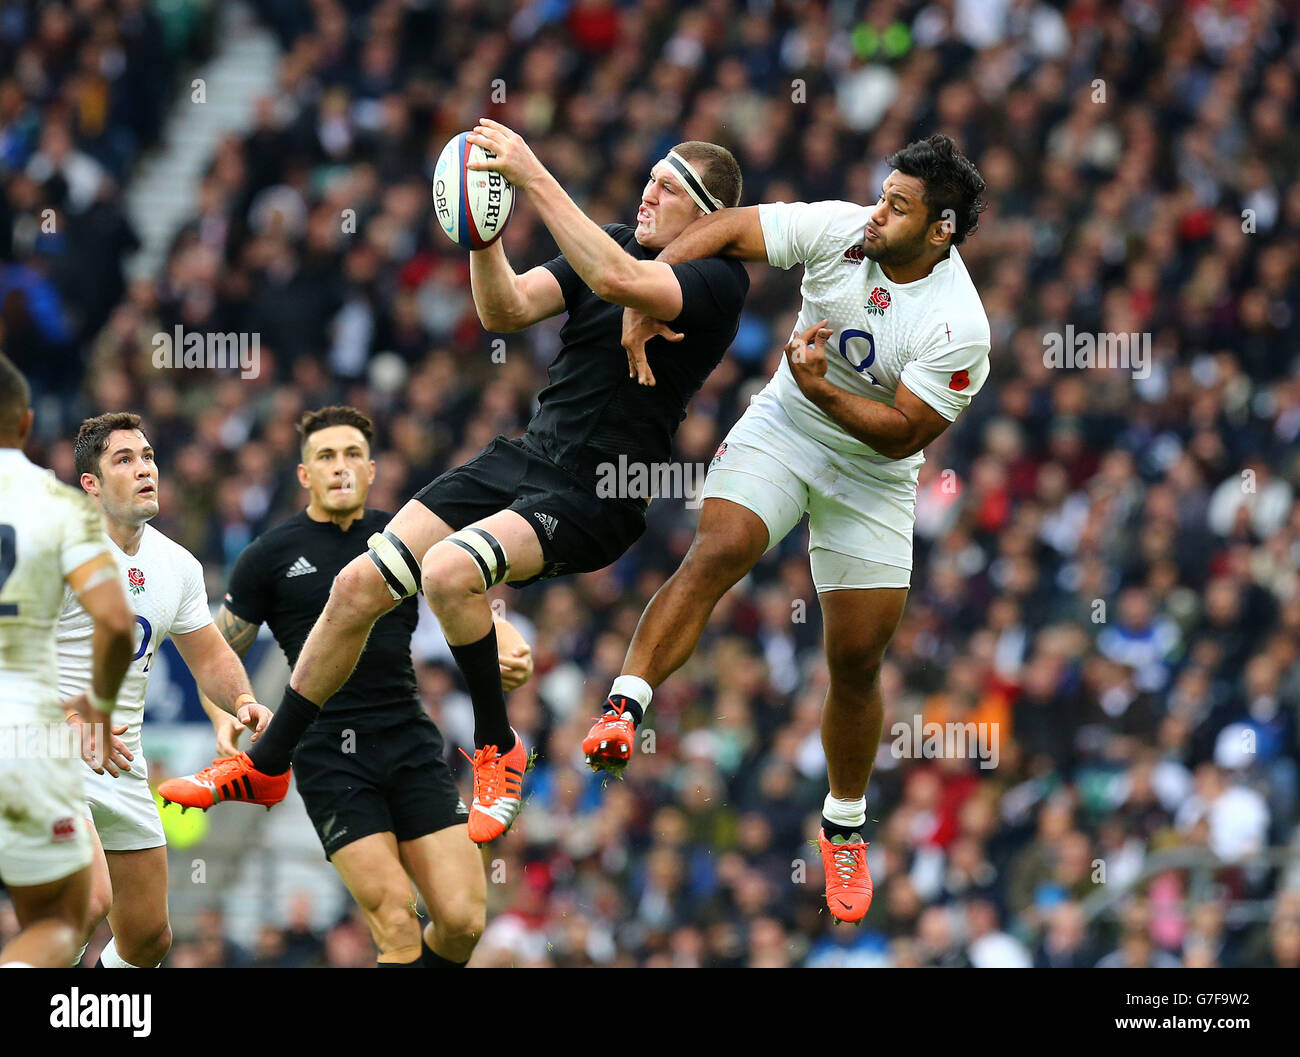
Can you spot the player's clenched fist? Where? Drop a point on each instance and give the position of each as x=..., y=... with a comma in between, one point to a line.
x=808, y=361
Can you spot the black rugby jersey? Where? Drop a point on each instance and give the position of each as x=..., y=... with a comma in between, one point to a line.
x=591, y=410
x=283, y=579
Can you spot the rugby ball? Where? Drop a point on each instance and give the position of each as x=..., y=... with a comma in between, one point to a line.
x=473, y=206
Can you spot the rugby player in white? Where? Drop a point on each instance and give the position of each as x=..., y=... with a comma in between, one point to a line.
x=891, y=343
x=165, y=586
x=50, y=535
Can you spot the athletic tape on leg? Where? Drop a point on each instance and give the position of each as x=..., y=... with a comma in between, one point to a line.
x=488, y=554
x=397, y=565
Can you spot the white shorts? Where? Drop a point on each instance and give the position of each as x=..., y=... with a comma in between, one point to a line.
x=123, y=808
x=860, y=525
x=43, y=832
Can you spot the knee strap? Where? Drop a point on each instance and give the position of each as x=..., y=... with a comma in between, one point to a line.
x=395, y=562
x=488, y=554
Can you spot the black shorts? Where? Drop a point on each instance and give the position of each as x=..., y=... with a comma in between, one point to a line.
x=579, y=531
x=394, y=780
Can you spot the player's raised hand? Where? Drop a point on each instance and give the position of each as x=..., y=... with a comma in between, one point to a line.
x=807, y=354
x=514, y=159
x=255, y=717
x=637, y=330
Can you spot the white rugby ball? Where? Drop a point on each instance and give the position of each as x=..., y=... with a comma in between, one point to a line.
x=473, y=206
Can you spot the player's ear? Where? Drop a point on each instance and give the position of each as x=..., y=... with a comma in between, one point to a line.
x=90, y=484
x=371, y=465
x=303, y=479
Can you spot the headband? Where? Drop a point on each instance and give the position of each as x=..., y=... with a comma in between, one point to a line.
x=693, y=184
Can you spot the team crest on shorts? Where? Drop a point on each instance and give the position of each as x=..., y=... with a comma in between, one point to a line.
x=135, y=578
x=63, y=829
x=878, y=302
x=722, y=450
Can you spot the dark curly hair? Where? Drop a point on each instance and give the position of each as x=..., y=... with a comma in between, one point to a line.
x=951, y=181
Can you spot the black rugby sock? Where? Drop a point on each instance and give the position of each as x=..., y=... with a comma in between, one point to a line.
x=431, y=959
x=273, y=751
x=834, y=829
x=630, y=707
x=479, y=663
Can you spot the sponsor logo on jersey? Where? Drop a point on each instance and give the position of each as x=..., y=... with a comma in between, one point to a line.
x=878, y=301
x=135, y=577
x=64, y=829
x=854, y=255
x=549, y=523
x=301, y=567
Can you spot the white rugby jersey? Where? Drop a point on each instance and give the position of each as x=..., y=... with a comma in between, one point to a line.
x=47, y=530
x=164, y=584
x=931, y=334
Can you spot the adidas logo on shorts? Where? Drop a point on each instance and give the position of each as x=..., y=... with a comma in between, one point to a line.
x=300, y=568
x=549, y=523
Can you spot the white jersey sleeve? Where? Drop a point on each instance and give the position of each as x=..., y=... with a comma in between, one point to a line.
x=84, y=537
x=946, y=377
x=193, y=613
x=810, y=233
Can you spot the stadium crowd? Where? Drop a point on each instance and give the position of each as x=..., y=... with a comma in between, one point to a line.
x=1107, y=560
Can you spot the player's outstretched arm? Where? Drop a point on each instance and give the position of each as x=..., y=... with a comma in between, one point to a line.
x=727, y=233
x=220, y=675
x=613, y=274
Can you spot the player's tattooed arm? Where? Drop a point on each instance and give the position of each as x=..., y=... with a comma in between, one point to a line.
x=241, y=634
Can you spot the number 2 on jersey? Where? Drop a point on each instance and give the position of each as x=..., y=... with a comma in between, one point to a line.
x=8, y=559
x=144, y=641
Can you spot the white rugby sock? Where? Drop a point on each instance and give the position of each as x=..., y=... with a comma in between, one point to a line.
x=113, y=960
x=635, y=687
x=845, y=812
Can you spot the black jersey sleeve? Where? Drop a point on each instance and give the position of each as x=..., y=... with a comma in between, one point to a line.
x=571, y=283
x=249, y=594
x=713, y=293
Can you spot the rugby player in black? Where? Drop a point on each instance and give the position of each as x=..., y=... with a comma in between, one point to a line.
x=530, y=508
x=371, y=770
